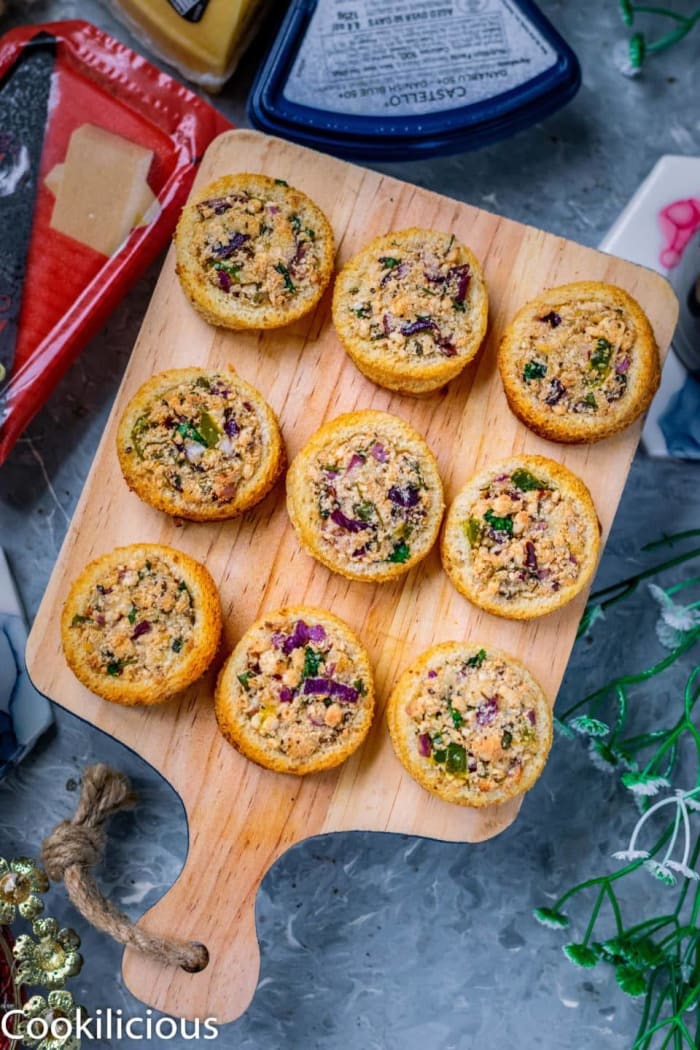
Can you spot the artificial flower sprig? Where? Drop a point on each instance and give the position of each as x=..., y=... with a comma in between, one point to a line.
x=658, y=958
x=639, y=47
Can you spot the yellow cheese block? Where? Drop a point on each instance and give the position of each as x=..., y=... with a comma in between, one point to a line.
x=206, y=51
x=100, y=191
x=146, y=210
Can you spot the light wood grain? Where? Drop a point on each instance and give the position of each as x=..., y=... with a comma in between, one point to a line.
x=241, y=818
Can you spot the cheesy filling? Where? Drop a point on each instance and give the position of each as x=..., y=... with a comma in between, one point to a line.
x=576, y=358
x=413, y=300
x=200, y=439
x=137, y=623
x=372, y=499
x=475, y=720
x=260, y=251
x=300, y=690
x=527, y=539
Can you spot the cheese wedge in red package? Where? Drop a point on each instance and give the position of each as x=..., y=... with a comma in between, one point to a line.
x=98, y=151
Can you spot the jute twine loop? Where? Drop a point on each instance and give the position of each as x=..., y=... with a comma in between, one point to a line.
x=77, y=845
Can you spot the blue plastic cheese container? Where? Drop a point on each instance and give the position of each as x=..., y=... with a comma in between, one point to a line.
x=402, y=79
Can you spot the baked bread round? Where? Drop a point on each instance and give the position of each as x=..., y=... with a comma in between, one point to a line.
x=411, y=309
x=522, y=538
x=141, y=624
x=296, y=695
x=470, y=724
x=580, y=362
x=253, y=252
x=365, y=496
x=200, y=444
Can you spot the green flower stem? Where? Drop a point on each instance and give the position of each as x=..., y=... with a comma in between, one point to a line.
x=669, y=538
x=642, y=676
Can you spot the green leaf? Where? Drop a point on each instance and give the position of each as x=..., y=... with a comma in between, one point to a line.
x=589, y=399
x=644, y=783
x=626, y=12
x=78, y=620
x=440, y=755
x=230, y=268
x=360, y=686
x=581, y=955
x=534, y=370
x=312, y=662
x=600, y=358
x=631, y=981
x=281, y=182
x=504, y=524
x=478, y=659
x=457, y=717
x=288, y=282
x=364, y=510
x=188, y=430
x=506, y=739
x=388, y=262
x=295, y=223
x=401, y=553
x=588, y=726
x=132, y=614
x=554, y=920
x=244, y=679
x=527, y=482
x=177, y=645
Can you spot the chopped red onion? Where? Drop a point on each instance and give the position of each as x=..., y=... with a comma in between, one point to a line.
x=349, y=524
x=379, y=452
x=224, y=280
x=531, y=717
x=236, y=241
x=231, y=427
x=144, y=627
x=404, y=496
x=356, y=460
x=486, y=712
x=425, y=745
x=286, y=695
x=432, y=673
x=530, y=556
x=622, y=366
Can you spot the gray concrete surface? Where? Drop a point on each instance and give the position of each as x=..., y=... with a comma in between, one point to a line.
x=371, y=941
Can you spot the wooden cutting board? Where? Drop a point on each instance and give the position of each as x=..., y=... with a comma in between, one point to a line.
x=241, y=818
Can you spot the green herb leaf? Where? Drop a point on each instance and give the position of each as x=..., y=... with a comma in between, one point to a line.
x=388, y=262
x=504, y=524
x=288, y=282
x=295, y=223
x=534, y=370
x=401, y=553
x=360, y=686
x=364, y=510
x=506, y=739
x=589, y=399
x=177, y=645
x=132, y=614
x=600, y=358
x=478, y=659
x=187, y=430
x=281, y=182
x=312, y=662
x=457, y=717
x=440, y=756
x=527, y=482
x=244, y=679
x=78, y=620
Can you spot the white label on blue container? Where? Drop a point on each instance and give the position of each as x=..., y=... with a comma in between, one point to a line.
x=389, y=58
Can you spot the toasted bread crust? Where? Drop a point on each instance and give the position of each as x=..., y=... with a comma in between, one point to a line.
x=303, y=510
x=412, y=376
x=455, y=548
x=145, y=484
x=214, y=304
x=231, y=699
x=643, y=377
x=206, y=632
x=433, y=777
